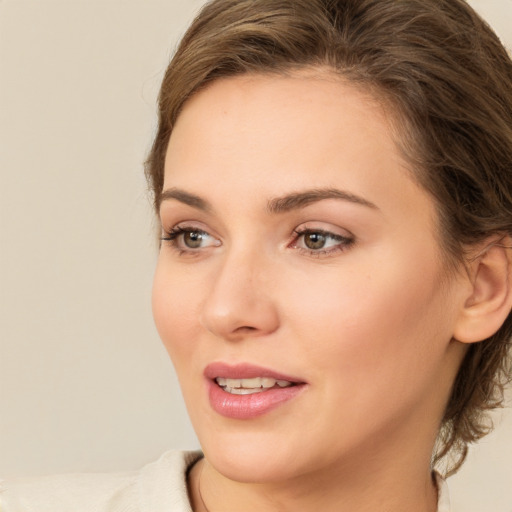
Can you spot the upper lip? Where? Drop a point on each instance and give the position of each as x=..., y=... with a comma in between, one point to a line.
x=245, y=371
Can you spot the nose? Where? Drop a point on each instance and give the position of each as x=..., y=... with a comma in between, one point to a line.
x=240, y=302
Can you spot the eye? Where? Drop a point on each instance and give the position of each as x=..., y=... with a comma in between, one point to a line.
x=315, y=241
x=319, y=242
x=190, y=239
x=194, y=239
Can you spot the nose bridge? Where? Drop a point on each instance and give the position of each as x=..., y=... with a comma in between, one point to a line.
x=240, y=299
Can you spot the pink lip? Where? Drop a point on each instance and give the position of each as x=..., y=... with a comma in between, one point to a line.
x=244, y=371
x=248, y=406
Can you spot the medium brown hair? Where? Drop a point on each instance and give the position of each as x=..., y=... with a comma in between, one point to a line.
x=449, y=82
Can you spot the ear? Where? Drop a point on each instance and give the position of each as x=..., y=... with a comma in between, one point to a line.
x=490, y=299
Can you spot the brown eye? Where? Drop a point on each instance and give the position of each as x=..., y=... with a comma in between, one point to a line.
x=314, y=241
x=321, y=243
x=190, y=239
x=193, y=239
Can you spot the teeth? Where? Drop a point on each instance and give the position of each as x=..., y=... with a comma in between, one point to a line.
x=248, y=386
x=243, y=391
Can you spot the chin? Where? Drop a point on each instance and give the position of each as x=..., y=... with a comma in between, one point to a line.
x=253, y=458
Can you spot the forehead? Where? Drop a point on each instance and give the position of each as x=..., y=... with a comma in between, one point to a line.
x=271, y=114
x=268, y=132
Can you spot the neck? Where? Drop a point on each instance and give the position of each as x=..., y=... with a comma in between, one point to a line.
x=373, y=485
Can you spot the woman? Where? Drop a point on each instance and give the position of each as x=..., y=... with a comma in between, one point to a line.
x=333, y=183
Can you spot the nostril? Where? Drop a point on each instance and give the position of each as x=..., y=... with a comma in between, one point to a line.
x=246, y=328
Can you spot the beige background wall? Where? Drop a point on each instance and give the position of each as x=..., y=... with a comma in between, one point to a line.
x=84, y=382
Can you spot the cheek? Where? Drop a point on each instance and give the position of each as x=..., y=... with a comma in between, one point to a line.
x=388, y=318
x=175, y=311
x=371, y=344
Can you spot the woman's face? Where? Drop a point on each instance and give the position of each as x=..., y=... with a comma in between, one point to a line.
x=300, y=256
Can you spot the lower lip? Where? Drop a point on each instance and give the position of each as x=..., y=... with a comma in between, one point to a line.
x=245, y=407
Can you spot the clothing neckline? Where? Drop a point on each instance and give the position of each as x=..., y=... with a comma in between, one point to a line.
x=189, y=458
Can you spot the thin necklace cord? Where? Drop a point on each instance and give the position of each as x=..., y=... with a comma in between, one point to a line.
x=199, y=488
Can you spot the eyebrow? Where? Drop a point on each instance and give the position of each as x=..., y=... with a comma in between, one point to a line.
x=293, y=201
x=298, y=200
x=185, y=198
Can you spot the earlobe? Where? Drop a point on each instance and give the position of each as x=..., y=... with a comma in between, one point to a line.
x=490, y=301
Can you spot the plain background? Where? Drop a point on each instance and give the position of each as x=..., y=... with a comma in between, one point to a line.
x=84, y=382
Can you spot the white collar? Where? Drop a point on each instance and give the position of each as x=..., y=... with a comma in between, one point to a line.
x=443, y=496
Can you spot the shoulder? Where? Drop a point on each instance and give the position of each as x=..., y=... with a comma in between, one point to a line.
x=159, y=486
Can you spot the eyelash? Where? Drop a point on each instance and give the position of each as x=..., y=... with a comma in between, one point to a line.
x=172, y=237
x=174, y=232
x=343, y=242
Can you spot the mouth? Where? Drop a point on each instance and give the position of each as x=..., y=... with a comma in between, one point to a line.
x=250, y=386
x=245, y=391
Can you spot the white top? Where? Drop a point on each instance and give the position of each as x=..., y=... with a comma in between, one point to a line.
x=157, y=487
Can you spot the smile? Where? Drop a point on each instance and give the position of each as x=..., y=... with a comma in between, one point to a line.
x=250, y=386
x=244, y=391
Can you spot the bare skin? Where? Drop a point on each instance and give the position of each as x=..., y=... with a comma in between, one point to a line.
x=349, y=293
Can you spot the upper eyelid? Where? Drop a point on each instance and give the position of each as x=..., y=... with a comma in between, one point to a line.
x=186, y=225
x=321, y=231
x=329, y=229
x=178, y=230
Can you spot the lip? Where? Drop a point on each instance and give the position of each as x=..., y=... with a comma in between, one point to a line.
x=245, y=371
x=244, y=407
